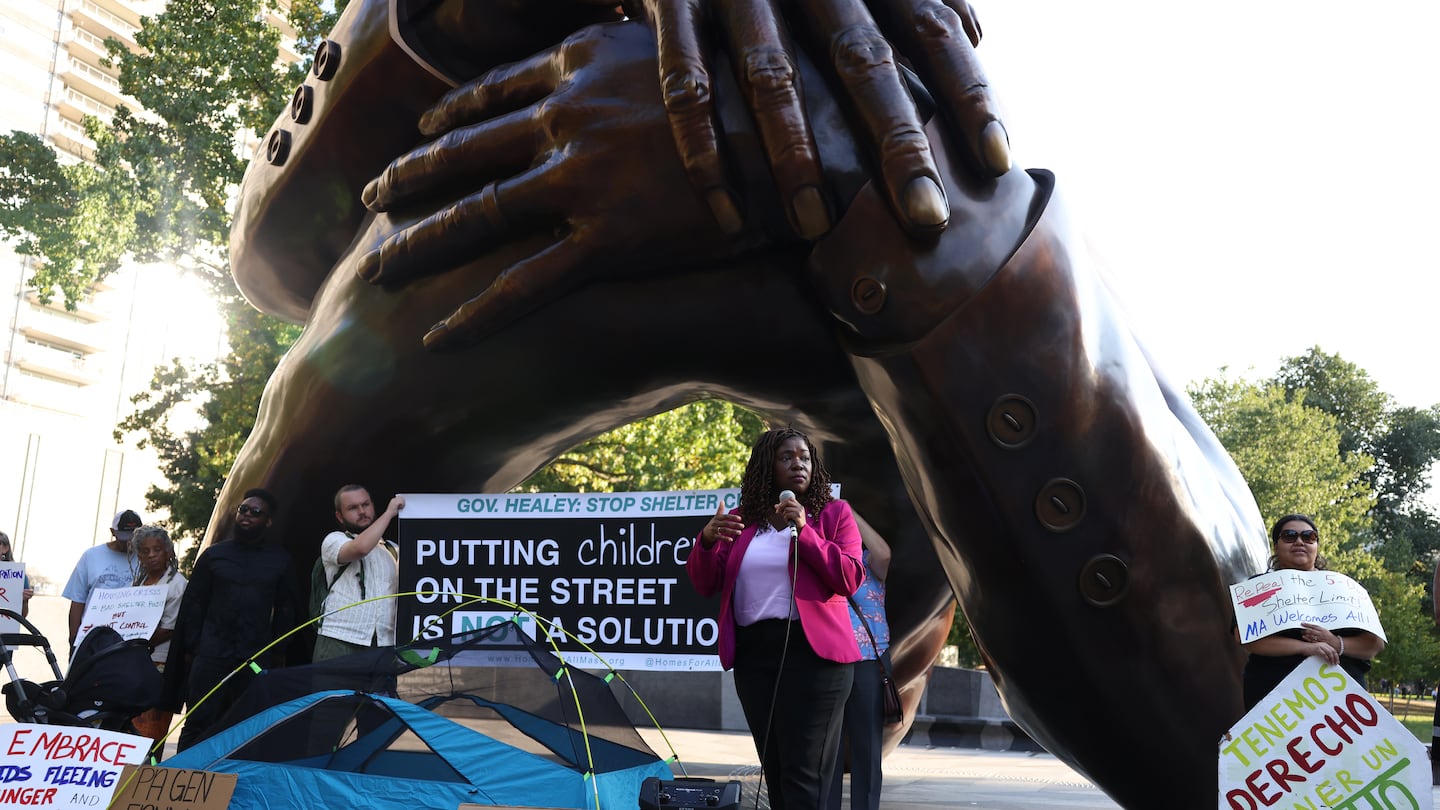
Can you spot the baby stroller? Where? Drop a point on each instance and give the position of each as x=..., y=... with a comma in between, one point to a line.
x=111, y=680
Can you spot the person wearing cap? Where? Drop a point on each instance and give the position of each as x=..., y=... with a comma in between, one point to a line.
x=104, y=566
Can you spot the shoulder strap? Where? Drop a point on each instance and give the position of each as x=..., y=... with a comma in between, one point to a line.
x=338, y=572
x=865, y=624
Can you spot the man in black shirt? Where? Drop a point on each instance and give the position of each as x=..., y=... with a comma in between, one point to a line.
x=240, y=598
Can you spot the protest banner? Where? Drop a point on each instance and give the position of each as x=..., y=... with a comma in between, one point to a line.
x=148, y=787
x=12, y=587
x=61, y=766
x=1319, y=740
x=133, y=612
x=1283, y=599
x=607, y=567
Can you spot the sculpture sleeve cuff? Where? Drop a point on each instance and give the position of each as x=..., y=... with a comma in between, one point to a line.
x=889, y=289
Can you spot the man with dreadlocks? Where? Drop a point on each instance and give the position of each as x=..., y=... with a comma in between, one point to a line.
x=783, y=563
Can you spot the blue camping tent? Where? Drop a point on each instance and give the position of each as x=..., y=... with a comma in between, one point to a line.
x=370, y=752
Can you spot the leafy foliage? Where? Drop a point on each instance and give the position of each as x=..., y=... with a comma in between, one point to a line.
x=79, y=219
x=703, y=445
x=1321, y=438
x=206, y=73
x=220, y=399
x=1405, y=443
x=1289, y=454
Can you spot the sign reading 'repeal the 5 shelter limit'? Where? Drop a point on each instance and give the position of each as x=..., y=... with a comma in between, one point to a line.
x=1285, y=599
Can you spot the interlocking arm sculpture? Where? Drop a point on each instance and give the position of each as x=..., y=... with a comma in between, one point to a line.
x=1083, y=514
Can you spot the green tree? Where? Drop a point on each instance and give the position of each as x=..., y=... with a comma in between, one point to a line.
x=1290, y=455
x=1411, y=651
x=206, y=72
x=703, y=445
x=1304, y=452
x=1403, y=441
x=196, y=461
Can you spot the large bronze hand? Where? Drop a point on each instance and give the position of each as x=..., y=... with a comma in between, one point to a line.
x=571, y=141
x=937, y=36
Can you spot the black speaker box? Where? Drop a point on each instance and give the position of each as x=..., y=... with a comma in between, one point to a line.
x=689, y=793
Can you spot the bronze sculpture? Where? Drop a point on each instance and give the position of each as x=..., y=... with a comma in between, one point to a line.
x=1085, y=517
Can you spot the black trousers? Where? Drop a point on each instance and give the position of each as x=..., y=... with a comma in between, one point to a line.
x=794, y=702
x=204, y=674
x=864, y=733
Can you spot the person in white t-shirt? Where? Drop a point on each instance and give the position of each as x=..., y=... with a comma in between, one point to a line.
x=360, y=564
x=107, y=566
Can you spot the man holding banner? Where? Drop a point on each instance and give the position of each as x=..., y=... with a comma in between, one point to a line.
x=360, y=564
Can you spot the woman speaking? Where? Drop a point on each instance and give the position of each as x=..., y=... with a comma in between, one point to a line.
x=783, y=564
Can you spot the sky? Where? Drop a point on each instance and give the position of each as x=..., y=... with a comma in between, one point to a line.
x=1255, y=177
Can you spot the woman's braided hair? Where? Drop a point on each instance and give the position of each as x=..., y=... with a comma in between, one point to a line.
x=758, y=493
x=172, y=563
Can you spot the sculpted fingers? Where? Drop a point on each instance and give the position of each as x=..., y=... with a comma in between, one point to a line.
x=521, y=288
x=686, y=88
x=866, y=67
x=501, y=90
x=463, y=157
x=438, y=242
x=942, y=44
x=766, y=70
x=969, y=19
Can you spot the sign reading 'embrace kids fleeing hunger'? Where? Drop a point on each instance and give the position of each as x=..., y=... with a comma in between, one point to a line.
x=63, y=766
x=608, y=568
x=1283, y=599
x=1319, y=740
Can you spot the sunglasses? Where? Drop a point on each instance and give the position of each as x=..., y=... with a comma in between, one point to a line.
x=1306, y=536
x=246, y=509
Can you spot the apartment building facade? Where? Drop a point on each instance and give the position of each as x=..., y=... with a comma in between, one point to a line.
x=67, y=375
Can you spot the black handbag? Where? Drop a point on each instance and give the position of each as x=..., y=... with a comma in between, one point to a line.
x=889, y=694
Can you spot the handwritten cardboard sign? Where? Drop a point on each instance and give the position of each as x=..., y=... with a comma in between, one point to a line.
x=147, y=787
x=133, y=612
x=1319, y=740
x=12, y=587
x=1282, y=600
x=61, y=766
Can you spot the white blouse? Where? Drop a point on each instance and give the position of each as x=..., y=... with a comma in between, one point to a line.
x=762, y=588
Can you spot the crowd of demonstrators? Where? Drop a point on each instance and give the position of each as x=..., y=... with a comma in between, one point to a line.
x=240, y=598
x=784, y=625
x=157, y=564
x=360, y=565
x=108, y=565
x=8, y=555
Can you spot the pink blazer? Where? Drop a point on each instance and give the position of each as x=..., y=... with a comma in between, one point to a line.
x=830, y=570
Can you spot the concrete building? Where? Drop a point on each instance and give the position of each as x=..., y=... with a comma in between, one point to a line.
x=67, y=376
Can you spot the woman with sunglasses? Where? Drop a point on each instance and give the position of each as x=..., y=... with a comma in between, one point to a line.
x=1295, y=545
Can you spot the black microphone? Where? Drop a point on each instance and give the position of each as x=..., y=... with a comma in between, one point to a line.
x=794, y=527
